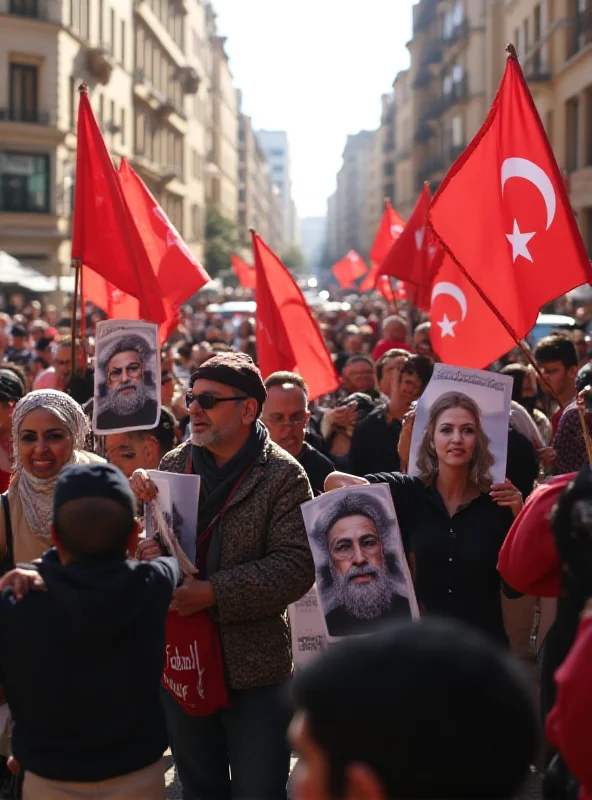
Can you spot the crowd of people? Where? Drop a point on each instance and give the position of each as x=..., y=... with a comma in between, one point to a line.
x=87, y=626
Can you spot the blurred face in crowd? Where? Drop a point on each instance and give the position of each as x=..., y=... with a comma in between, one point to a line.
x=455, y=437
x=286, y=415
x=353, y=343
x=395, y=331
x=391, y=368
x=582, y=343
x=44, y=443
x=167, y=361
x=422, y=343
x=132, y=451
x=410, y=387
x=62, y=363
x=167, y=388
x=20, y=342
x=200, y=354
x=558, y=376
x=359, y=376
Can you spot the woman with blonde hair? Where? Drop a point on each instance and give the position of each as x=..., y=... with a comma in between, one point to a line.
x=481, y=458
x=48, y=431
x=453, y=519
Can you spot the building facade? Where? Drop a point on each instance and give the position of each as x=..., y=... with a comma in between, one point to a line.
x=259, y=201
x=276, y=147
x=313, y=231
x=160, y=85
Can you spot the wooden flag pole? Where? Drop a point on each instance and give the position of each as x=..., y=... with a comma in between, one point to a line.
x=76, y=265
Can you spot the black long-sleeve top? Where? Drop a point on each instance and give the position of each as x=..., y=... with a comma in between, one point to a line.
x=455, y=557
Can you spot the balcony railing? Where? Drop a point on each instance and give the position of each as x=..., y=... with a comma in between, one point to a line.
x=426, y=13
x=431, y=109
x=423, y=78
x=34, y=116
x=457, y=33
x=429, y=167
x=581, y=33
x=432, y=53
x=423, y=132
x=536, y=69
x=46, y=10
x=458, y=93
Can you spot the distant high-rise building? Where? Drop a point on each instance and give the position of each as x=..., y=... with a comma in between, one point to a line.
x=276, y=147
x=313, y=234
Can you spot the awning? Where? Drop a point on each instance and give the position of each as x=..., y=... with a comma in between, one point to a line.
x=13, y=273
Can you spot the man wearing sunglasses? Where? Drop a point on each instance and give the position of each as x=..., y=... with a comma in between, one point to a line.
x=128, y=391
x=286, y=416
x=253, y=561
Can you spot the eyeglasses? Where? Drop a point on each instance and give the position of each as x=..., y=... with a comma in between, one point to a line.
x=343, y=549
x=207, y=401
x=278, y=423
x=133, y=370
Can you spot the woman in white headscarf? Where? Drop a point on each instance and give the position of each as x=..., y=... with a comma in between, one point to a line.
x=48, y=430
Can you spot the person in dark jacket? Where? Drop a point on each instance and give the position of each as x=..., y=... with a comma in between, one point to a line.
x=82, y=661
x=285, y=414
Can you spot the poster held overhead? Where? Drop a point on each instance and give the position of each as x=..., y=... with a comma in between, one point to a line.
x=127, y=377
x=362, y=576
x=474, y=403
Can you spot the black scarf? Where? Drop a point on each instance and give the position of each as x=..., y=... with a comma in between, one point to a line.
x=218, y=482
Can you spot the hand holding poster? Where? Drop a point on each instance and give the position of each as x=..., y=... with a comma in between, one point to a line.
x=127, y=377
x=362, y=576
x=472, y=405
x=174, y=513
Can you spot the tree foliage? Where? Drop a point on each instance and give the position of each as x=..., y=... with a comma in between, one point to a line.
x=293, y=258
x=221, y=241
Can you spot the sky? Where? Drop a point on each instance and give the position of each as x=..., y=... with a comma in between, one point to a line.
x=316, y=69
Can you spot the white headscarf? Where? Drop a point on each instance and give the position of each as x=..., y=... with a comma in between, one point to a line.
x=36, y=494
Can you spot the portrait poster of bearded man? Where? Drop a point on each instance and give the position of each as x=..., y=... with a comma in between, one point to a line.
x=127, y=377
x=362, y=576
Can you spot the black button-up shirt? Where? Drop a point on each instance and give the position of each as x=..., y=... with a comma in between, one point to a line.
x=455, y=557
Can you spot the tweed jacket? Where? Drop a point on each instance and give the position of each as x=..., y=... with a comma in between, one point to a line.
x=265, y=564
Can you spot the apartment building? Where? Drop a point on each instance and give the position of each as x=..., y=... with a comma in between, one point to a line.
x=47, y=48
x=276, y=147
x=405, y=195
x=554, y=44
x=347, y=223
x=259, y=201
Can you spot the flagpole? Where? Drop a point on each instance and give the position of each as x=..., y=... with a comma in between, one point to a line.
x=392, y=280
x=76, y=265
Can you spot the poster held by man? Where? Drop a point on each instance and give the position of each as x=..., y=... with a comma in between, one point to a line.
x=468, y=412
x=362, y=575
x=127, y=377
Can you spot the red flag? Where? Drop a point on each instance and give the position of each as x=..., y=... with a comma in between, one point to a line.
x=406, y=258
x=419, y=293
x=287, y=336
x=503, y=214
x=104, y=235
x=390, y=228
x=349, y=269
x=369, y=281
x=245, y=273
x=465, y=332
x=178, y=273
x=383, y=284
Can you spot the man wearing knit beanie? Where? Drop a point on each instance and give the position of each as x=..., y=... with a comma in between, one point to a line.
x=253, y=560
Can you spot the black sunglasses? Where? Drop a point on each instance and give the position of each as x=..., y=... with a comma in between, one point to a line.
x=207, y=401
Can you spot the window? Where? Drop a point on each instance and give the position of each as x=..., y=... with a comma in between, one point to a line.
x=24, y=182
x=195, y=222
x=101, y=20
x=123, y=42
x=112, y=31
x=23, y=93
x=72, y=102
x=457, y=131
x=101, y=111
x=572, y=139
x=122, y=126
x=112, y=120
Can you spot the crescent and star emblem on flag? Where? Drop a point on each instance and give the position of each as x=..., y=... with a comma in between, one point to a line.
x=511, y=168
x=523, y=168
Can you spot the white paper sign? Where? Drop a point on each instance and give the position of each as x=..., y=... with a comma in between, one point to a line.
x=182, y=492
x=470, y=396
x=127, y=377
